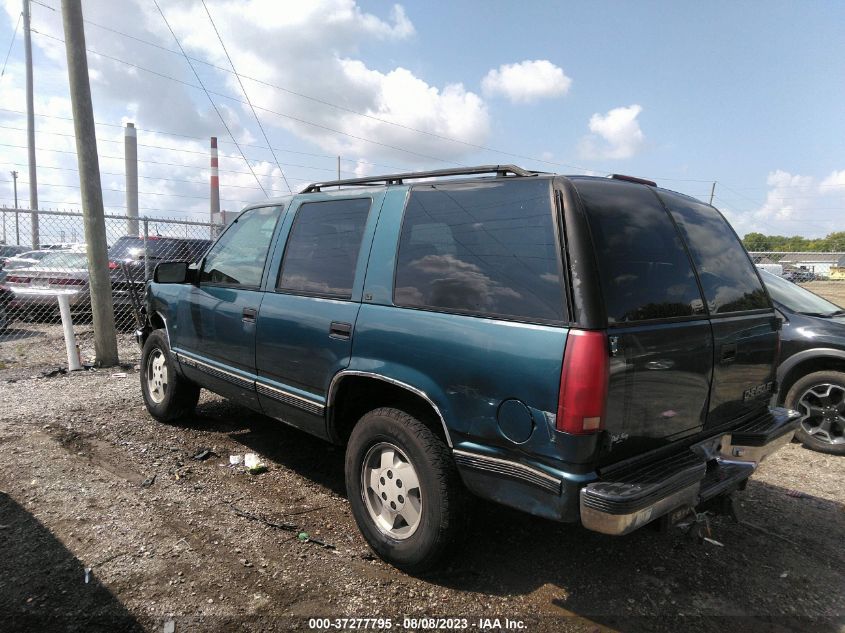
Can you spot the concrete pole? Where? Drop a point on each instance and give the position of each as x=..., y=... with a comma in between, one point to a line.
x=105, y=339
x=215, y=187
x=130, y=154
x=30, y=126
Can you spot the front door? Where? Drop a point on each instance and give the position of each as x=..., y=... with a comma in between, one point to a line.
x=307, y=317
x=215, y=337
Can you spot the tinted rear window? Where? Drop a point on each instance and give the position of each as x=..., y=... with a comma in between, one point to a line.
x=728, y=277
x=644, y=270
x=481, y=248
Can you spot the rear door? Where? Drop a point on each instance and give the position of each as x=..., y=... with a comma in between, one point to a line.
x=745, y=328
x=306, y=321
x=661, y=341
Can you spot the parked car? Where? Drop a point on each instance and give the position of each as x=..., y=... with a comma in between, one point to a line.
x=129, y=251
x=593, y=350
x=811, y=369
x=25, y=260
x=798, y=275
x=10, y=250
x=5, y=299
x=34, y=289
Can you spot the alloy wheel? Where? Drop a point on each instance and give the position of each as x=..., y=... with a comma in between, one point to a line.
x=391, y=491
x=157, y=376
x=823, y=412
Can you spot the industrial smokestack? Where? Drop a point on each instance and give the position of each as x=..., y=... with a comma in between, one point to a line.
x=215, y=184
x=130, y=153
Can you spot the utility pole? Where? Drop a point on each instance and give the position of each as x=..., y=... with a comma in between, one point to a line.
x=105, y=339
x=130, y=155
x=30, y=126
x=17, y=219
x=712, y=191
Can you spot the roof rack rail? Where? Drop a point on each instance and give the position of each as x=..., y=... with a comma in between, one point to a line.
x=501, y=171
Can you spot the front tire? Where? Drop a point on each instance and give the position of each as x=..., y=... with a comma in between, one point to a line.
x=404, y=489
x=167, y=395
x=820, y=398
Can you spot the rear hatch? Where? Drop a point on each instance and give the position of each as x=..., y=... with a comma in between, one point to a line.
x=692, y=336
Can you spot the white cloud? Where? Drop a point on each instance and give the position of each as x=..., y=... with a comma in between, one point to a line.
x=794, y=205
x=526, y=81
x=307, y=48
x=614, y=135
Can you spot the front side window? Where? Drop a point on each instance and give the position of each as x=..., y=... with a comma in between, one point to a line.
x=322, y=250
x=644, y=271
x=486, y=249
x=728, y=278
x=238, y=258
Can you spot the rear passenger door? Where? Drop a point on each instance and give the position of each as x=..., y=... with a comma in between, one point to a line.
x=661, y=342
x=307, y=318
x=745, y=329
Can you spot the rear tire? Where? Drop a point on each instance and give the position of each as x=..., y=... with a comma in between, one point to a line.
x=167, y=395
x=820, y=398
x=411, y=524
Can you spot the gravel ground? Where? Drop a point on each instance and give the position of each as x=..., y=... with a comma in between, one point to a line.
x=91, y=486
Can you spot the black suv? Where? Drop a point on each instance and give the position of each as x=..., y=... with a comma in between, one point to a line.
x=139, y=258
x=811, y=372
x=593, y=350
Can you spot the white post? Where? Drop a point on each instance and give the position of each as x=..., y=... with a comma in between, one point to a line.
x=73, y=363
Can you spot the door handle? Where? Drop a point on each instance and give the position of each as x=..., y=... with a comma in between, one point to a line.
x=728, y=352
x=340, y=330
x=248, y=315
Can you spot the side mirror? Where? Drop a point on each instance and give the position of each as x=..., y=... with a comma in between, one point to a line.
x=172, y=273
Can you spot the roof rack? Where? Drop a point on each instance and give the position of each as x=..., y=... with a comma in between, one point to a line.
x=501, y=171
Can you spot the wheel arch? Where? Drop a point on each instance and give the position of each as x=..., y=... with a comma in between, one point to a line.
x=807, y=362
x=353, y=393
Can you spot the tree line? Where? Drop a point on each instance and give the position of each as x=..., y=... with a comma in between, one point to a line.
x=758, y=242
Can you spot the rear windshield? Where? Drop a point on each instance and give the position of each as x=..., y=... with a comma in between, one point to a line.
x=644, y=270
x=63, y=259
x=728, y=277
x=484, y=248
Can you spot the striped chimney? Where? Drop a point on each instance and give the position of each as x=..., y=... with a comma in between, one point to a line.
x=215, y=182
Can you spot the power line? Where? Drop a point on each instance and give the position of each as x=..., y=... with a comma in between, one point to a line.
x=240, y=83
x=200, y=138
x=210, y=100
x=12, y=43
x=279, y=114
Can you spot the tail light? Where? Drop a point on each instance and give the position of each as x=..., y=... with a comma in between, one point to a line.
x=13, y=279
x=113, y=265
x=583, y=383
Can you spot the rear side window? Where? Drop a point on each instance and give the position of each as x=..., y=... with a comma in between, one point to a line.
x=485, y=249
x=322, y=250
x=644, y=270
x=728, y=278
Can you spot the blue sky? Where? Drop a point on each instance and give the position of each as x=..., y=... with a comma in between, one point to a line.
x=748, y=94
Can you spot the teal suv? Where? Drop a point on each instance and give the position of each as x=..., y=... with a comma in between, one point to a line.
x=592, y=350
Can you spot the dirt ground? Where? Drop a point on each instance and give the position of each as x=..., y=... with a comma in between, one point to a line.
x=830, y=290
x=92, y=488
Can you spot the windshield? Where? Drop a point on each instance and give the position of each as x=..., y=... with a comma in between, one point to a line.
x=796, y=298
x=64, y=260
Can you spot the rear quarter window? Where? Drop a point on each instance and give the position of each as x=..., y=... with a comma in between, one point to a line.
x=485, y=248
x=728, y=278
x=644, y=270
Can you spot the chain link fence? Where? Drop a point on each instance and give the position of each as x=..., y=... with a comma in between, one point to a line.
x=31, y=279
x=802, y=267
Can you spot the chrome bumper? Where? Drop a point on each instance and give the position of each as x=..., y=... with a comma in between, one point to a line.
x=715, y=466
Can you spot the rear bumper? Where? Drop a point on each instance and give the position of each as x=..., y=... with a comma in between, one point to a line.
x=629, y=497
x=618, y=500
